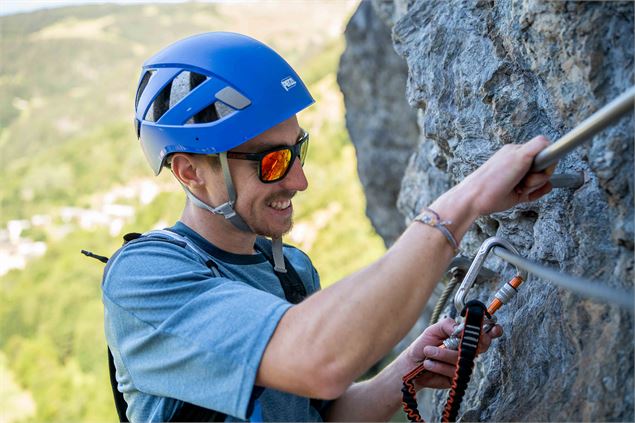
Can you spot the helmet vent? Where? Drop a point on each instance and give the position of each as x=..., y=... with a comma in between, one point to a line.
x=211, y=113
x=208, y=114
x=160, y=105
x=142, y=86
x=178, y=89
x=183, y=84
x=172, y=93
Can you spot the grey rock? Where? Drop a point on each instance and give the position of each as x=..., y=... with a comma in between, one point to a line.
x=486, y=73
x=381, y=125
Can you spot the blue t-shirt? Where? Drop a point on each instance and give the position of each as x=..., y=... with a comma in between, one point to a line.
x=179, y=333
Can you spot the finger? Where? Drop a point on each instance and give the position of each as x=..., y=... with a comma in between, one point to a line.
x=546, y=189
x=442, y=329
x=432, y=380
x=529, y=150
x=433, y=335
x=534, y=146
x=441, y=354
x=496, y=332
x=534, y=181
x=439, y=367
x=484, y=343
x=550, y=169
x=525, y=193
x=486, y=338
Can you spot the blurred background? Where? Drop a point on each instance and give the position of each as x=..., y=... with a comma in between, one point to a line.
x=73, y=176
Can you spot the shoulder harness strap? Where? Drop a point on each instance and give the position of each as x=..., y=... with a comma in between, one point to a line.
x=294, y=289
x=187, y=243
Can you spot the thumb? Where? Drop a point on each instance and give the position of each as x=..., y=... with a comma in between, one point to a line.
x=535, y=145
x=440, y=330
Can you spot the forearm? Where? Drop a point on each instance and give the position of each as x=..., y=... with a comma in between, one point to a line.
x=377, y=399
x=387, y=298
x=359, y=319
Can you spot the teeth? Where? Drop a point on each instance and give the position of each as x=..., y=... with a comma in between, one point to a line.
x=280, y=205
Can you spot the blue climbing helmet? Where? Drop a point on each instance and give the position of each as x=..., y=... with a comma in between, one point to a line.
x=211, y=92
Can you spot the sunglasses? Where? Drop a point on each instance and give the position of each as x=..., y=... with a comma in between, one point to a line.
x=274, y=164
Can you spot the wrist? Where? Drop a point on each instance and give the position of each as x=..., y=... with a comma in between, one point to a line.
x=458, y=206
x=431, y=218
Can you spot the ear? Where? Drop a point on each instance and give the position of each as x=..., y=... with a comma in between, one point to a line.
x=187, y=169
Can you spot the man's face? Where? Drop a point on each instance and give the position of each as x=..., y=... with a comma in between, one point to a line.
x=267, y=208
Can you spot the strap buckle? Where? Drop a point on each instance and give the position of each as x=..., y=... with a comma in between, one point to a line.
x=226, y=210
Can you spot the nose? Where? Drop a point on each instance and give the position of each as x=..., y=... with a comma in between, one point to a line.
x=295, y=179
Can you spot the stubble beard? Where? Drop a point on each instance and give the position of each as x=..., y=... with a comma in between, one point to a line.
x=268, y=232
x=275, y=235
x=262, y=228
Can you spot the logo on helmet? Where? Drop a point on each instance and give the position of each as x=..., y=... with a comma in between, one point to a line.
x=288, y=83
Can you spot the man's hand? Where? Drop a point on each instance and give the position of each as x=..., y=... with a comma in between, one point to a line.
x=504, y=180
x=440, y=362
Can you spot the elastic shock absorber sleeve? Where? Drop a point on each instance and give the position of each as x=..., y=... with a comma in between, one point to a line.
x=409, y=394
x=474, y=312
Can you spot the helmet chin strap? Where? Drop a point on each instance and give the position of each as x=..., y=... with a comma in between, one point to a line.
x=227, y=211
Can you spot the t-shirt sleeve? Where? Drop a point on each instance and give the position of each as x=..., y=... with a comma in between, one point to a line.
x=183, y=333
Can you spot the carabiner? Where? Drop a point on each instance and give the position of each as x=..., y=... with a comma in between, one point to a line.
x=479, y=259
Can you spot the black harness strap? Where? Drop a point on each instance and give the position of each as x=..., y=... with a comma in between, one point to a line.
x=120, y=402
x=474, y=312
x=294, y=292
x=294, y=289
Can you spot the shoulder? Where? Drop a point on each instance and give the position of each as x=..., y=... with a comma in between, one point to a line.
x=152, y=259
x=154, y=249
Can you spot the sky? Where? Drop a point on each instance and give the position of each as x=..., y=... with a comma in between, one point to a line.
x=10, y=7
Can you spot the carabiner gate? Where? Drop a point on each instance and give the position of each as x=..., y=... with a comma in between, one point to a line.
x=505, y=293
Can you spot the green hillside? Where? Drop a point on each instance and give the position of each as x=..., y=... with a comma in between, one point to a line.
x=67, y=146
x=68, y=77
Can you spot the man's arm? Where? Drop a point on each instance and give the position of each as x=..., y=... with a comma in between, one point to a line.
x=324, y=343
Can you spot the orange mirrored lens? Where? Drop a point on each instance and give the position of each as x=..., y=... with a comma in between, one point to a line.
x=274, y=165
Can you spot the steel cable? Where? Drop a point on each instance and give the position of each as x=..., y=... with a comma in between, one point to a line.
x=585, y=130
x=588, y=288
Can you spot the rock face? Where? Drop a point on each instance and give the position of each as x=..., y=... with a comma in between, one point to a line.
x=382, y=125
x=486, y=73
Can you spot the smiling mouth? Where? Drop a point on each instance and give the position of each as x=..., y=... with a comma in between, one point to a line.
x=280, y=205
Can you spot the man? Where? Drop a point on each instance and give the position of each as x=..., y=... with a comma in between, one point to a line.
x=221, y=332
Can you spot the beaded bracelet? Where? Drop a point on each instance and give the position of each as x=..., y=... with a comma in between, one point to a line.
x=436, y=222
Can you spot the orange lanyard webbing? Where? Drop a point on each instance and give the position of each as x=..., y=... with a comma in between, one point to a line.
x=475, y=312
